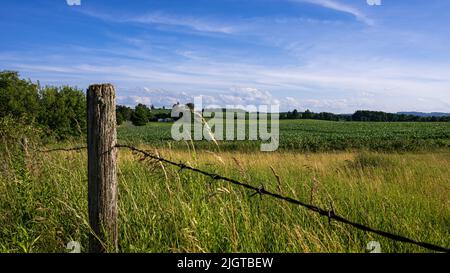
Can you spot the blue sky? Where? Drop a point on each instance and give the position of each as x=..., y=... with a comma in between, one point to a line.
x=325, y=55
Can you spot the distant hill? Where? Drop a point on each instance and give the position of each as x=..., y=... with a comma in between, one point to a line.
x=421, y=114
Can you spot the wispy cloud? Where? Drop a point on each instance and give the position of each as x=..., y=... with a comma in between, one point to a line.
x=337, y=6
x=338, y=86
x=199, y=24
x=195, y=23
x=241, y=97
x=234, y=97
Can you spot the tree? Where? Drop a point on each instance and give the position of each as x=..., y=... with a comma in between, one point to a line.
x=141, y=115
x=119, y=118
x=18, y=98
x=123, y=113
x=63, y=111
x=307, y=114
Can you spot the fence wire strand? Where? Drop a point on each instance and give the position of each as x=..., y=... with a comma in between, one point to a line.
x=330, y=214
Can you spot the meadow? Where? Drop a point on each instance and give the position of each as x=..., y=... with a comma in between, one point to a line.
x=375, y=177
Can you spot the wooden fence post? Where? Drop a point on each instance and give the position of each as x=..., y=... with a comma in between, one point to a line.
x=102, y=170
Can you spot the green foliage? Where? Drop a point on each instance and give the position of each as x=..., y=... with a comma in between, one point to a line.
x=119, y=118
x=18, y=98
x=60, y=110
x=141, y=115
x=63, y=111
x=161, y=114
x=315, y=135
x=123, y=113
x=12, y=130
x=363, y=116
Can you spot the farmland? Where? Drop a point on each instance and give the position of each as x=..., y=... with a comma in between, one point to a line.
x=315, y=136
x=252, y=127
x=368, y=172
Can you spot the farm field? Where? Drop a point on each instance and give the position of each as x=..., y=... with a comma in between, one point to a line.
x=350, y=167
x=314, y=136
x=163, y=209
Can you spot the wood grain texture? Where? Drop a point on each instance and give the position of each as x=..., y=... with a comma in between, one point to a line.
x=102, y=169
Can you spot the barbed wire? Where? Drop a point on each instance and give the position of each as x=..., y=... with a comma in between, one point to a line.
x=63, y=149
x=330, y=214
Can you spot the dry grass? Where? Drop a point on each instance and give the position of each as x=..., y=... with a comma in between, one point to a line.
x=167, y=210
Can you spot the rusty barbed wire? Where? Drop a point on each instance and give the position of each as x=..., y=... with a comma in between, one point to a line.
x=330, y=214
x=63, y=149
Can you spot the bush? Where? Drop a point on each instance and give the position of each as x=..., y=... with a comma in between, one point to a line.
x=63, y=111
x=141, y=115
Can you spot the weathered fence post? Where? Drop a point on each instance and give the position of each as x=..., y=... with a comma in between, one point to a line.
x=102, y=171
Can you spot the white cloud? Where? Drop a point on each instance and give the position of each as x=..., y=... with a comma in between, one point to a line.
x=243, y=97
x=134, y=100
x=337, y=6
x=199, y=24
x=248, y=96
x=338, y=86
x=149, y=96
x=195, y=23
x=234, y=96
x=343, y=105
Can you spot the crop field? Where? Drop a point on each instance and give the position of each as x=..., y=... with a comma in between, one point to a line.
x=390, y=176
x=314, y=136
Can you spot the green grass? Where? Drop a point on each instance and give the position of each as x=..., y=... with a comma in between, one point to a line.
x=315, y=136
x=390, y=176
x=43, y=204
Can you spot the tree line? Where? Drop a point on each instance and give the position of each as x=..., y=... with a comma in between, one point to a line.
x=141, y=114
x=363, y=115
x=61, y=111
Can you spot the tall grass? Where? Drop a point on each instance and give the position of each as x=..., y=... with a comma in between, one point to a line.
x=163, y=209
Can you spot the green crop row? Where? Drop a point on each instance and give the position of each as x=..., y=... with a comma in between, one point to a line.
x=312, y=135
